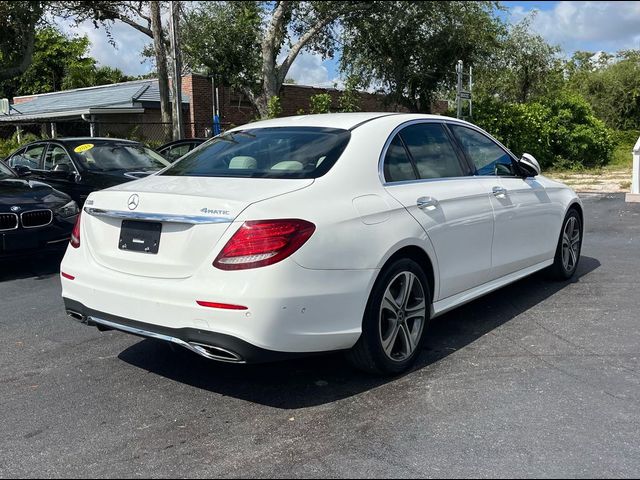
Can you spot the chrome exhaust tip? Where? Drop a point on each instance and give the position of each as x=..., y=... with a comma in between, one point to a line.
x=78, y=317
x=215, y=353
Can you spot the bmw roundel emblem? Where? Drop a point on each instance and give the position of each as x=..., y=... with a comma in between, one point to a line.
x=134, y=201
x=15, y=209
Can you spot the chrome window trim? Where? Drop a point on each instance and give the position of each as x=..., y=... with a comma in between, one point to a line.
x=35, y=211
x=157, y=217
x=10, y=229
x=443, y=121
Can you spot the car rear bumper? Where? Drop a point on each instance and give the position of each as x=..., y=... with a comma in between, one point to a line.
x=211, y=345
x=288, y=309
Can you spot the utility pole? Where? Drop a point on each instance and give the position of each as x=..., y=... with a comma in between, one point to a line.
x=178, y=126
x=461, y=94
x=459, y=89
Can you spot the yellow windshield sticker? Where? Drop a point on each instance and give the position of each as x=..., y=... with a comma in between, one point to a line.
x=83, y=148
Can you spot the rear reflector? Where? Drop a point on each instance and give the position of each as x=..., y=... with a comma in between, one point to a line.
x=263, y=242
x=67, y=276
x=224, y=306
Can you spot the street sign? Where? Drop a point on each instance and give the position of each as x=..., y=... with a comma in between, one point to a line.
x=465, y=95
x=4, y=106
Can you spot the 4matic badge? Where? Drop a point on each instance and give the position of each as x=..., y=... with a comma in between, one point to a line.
x=207, y=211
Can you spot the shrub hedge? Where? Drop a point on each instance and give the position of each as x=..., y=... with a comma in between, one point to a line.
x=561, y=132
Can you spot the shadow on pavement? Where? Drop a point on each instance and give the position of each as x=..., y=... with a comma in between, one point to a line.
x=323, y=379
x=39, y=267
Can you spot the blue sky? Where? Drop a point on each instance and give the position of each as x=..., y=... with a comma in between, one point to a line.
x=574, y=25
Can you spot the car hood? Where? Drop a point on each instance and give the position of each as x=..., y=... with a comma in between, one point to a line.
x=18, y=192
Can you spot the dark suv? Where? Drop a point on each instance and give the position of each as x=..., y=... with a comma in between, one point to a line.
x=79, y=166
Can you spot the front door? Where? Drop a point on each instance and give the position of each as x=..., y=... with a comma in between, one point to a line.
x=524, y=213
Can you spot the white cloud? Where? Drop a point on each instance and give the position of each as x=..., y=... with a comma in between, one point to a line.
x=581, y=25
x=125, y=55
x=308, y=69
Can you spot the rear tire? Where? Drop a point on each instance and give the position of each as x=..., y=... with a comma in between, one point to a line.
x=396, y=316
x=569, y=247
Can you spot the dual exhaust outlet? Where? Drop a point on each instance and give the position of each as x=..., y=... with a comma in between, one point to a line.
x=210, y=352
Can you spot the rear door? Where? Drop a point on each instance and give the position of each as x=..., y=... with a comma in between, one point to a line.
x=426, y=173
x=525, y=217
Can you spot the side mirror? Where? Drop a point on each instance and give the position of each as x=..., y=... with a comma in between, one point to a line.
x=22, y=171
x=529, y=165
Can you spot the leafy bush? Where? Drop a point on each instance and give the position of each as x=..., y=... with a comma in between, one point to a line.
x=274, y=107
x=320, y=103
x=561, y=132
x=8, y=145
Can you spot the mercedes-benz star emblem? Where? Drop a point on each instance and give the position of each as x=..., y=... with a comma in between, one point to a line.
x=134, y=201
x=15, y=209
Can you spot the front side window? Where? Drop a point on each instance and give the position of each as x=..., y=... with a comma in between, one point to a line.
x=431, y=150
x=275, y=152
x=57, y=160
x=488, y=158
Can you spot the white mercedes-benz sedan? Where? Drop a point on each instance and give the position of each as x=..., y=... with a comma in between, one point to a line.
x=318, y=233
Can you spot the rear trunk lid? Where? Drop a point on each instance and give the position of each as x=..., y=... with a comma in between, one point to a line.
x=194, y=213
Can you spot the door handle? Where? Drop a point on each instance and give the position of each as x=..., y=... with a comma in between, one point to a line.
x=499, y=191
x=427, y=203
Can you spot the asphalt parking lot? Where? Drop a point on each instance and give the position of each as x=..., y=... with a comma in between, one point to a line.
x=537, y=379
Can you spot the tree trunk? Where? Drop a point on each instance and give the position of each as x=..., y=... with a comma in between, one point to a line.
x=161, y=65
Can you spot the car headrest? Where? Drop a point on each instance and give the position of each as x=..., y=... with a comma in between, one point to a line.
x=290, y=165
x=239, y=163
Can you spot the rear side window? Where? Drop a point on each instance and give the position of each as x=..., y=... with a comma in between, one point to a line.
x=431, y=150
x=277, y=152
x=29, y=157
x=397, y=164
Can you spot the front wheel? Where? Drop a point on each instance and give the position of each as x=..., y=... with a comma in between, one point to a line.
x=569, y=247
x=394, y=321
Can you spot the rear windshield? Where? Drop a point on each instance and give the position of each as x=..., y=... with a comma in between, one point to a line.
x=283, y=152
x=107, y=157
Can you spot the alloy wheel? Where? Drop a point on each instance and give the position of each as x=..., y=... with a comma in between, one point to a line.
x=570, y=244
x=402, y=316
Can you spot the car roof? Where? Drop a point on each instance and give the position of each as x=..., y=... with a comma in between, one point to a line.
x=346, y=121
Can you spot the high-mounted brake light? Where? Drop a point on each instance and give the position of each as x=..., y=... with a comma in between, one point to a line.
x=263, y=242
x=75, y=233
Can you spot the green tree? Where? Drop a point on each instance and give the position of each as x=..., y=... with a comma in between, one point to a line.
x=611, y=84
x=59, y=63
x=143, y=16
x=522, y=67
x=18, y=21
x=266, y=38
x=409, y=49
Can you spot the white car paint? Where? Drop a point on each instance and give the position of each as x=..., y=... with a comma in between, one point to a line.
x=313, y=301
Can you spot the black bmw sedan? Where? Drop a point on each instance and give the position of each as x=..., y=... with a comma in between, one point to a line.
x=79, y=166
x=34, y=218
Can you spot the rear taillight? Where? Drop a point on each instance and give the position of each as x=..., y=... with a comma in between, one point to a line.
x=263, y=242
x=75, y=233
